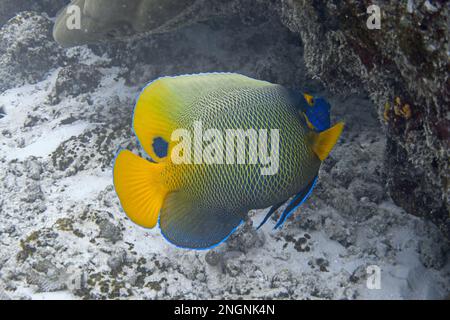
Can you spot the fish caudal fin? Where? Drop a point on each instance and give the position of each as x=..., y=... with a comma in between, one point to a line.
x=189, y=224
x=140, y=188
x=324, y=141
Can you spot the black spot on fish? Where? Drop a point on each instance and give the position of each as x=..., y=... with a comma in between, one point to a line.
x=2, y=112
x=160, y=147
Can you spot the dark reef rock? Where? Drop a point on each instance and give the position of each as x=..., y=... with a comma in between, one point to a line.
x=27, y=50
x=9, y=8
x=404, y=68
x=75, y=80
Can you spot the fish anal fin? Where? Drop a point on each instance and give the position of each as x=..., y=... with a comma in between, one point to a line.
x=140, y=188
x=323, y=142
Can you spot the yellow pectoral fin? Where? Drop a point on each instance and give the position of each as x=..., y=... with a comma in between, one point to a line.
x=323, y=142
x=139, y=185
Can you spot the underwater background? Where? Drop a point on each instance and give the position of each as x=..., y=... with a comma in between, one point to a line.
x=382, y=200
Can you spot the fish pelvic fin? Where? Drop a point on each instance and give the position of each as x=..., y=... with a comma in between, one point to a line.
x=323, y=142
x=140, y=187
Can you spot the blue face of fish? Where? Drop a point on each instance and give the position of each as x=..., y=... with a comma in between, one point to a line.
x=317, y=111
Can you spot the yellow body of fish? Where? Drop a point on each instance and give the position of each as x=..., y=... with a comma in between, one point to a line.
x=203, y=198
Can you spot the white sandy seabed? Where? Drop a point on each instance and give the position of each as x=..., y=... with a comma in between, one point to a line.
x=63, y=234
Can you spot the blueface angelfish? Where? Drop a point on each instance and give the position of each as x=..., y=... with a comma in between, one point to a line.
x=199, y=204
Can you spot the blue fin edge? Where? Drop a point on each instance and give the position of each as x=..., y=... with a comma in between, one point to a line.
x=288, y=212
x=270, y=213
x=198, y=249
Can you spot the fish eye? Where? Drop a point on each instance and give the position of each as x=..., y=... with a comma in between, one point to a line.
x=160, y=147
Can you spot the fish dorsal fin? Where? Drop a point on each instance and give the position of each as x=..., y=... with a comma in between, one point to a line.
x=324, y=141
x=162, y=104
